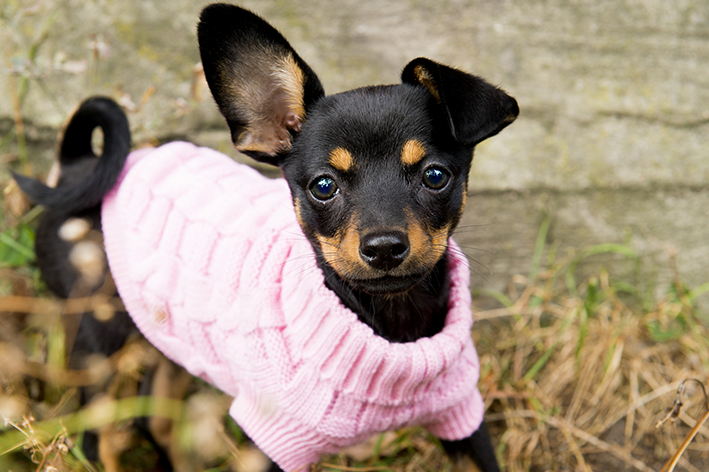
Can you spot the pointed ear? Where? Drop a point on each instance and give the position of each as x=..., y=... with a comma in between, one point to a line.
x=261, y=86
x=475, y=109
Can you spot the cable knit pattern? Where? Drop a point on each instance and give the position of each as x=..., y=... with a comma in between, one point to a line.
x=214, y=269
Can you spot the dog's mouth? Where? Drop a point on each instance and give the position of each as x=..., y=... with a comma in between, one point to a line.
x=386, y=285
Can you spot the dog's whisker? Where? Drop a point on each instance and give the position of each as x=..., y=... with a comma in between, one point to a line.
x=461, y=254
x=474, y=248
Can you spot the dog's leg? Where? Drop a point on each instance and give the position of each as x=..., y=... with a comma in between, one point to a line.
x=274, y=468
x=474, y=453
x=169, y=381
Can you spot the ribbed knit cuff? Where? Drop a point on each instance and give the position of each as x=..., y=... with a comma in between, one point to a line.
x=289, y=444
x=460, y=421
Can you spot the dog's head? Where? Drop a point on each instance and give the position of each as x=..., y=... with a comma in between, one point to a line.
x=378, y=174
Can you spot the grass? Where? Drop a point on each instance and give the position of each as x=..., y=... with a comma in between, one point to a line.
x=577, y=376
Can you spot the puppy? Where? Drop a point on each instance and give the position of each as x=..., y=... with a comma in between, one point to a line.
x=344, y=314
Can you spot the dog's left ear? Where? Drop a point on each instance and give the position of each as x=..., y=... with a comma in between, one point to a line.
x=262, y=87
x=475, y=109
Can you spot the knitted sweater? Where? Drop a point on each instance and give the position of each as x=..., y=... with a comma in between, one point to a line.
x=214, y=269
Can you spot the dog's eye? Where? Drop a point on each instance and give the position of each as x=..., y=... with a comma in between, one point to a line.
x=435, y=178
x=324, y=188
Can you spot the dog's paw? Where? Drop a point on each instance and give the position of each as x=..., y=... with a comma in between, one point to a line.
x=464, y=464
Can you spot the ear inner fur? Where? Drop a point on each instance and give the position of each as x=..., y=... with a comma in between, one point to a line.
x=425, y=78
x=290, y=79
x=412, y=152
x=270, y=106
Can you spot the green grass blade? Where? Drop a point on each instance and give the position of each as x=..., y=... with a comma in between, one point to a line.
x=696, y=292
x=95, y=416
x=620, y=249
x=539, y=247
x=541, y=362
x=28, y=253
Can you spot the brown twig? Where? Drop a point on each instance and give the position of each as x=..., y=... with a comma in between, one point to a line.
x=18, y=304
x=674, y=414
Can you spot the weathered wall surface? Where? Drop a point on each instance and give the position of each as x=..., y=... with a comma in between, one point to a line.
x=612, y=141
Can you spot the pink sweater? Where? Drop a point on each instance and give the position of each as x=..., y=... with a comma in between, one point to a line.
x=214, y=269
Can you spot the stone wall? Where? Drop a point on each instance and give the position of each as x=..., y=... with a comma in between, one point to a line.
x=611, y=143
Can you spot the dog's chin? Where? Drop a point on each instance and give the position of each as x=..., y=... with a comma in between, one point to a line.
x=385, y=286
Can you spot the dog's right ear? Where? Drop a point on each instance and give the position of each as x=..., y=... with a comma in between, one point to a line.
x=262, y=87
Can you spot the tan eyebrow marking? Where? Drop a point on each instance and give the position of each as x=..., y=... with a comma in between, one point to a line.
x=412, y=152
x=341, y=159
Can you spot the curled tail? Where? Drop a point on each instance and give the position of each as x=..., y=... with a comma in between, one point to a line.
x=94, y=112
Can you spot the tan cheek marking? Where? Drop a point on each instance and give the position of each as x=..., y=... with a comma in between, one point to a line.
x=341, y=159
x=439, y=241
x=298, y=215
x=412, y=152
x=329, y=247
x=349, y=249
x=341, y=251
x=464, y=202
x=426, y=246
x=418, y=239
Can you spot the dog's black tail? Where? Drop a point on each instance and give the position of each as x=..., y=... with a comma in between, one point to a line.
x=94, y=112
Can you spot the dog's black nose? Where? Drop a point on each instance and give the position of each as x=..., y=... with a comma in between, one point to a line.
x=385, y=250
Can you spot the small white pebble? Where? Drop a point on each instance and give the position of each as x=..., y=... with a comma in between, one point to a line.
x=89, y=259
x=104, y=312
x=74, y=229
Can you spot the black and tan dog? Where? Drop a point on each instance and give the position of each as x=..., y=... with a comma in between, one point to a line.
x=378, y=175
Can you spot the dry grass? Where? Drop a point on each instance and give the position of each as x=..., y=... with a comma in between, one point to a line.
x=576, y=379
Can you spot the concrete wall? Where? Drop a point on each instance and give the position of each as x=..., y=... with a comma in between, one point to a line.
x=612, y=140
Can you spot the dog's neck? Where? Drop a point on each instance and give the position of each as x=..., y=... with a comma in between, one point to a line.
x=420, y=312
